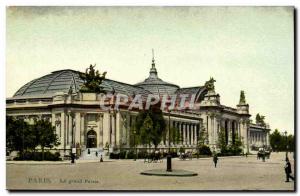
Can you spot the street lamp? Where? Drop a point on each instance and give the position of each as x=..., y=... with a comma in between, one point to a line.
x=169, y=157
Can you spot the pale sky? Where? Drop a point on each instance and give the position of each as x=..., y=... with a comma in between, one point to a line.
x=243, y=48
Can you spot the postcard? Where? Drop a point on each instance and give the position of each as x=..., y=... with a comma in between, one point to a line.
x=150, y=98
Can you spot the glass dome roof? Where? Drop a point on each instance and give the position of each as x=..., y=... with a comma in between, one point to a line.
x=68, y=81
x=156, y=85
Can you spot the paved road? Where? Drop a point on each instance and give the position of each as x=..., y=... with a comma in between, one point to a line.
x=232, y=173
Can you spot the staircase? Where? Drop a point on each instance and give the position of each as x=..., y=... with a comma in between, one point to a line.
x=92, y=154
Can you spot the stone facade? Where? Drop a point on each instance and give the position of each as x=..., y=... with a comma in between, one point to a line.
x=80, y=122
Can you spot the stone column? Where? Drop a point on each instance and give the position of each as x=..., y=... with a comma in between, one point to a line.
x=101, y=144
x=195, y=134
x=188, y=142
x=70, y=136
x=123, y=135
x=77, y=128
x=67, y=130
x=234, y=132
x=113, y=130
x=244, y=133
x=82, y=130
x=267, y=139
x=192, y=134
x=180, y=132
x=198, y=128
x=171, y=134
x=106, y=128
x=212, y=126
x=240, y=131
x=184, y=133
x=53, y=120
x=63, y=130
x=118, y=129
x=209, y=129
x=229, y=132
x=177, y=133
x=167, y=134
x=128, y=129
x=98, y=131
x=215, y=126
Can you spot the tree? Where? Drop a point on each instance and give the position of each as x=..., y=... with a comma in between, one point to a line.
x=175, y=136
x=222, y=145
x=45, y=134
x=19, y=135
x=146, y=130
x=92, y=80
x=276, y=140
x=203, y=137
x=291, y=143
x=150, y=127
x=237, y=147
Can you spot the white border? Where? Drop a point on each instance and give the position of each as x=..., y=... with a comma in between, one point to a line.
x=4, y=3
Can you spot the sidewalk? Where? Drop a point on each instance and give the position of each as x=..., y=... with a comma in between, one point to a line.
x=66, y=162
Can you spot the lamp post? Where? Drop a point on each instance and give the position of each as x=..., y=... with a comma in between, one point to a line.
x=169, y=157
x=286, y=147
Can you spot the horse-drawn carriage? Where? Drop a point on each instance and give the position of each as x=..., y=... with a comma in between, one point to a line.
x=187, y=155
x=153, y=157
x=263, y=153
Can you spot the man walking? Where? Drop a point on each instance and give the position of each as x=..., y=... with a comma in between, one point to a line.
x=215, y=159
x=288, y=170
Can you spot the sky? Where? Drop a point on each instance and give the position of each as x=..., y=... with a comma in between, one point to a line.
x=243, y=48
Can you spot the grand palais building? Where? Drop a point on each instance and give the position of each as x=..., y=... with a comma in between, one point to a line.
x=80, y=122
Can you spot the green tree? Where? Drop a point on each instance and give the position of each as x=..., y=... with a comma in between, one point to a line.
x=237, y=147
x=222, y=141
x=19, y=135
x=175, y=136
x=147, y=132
x=291, y=143
x=92, y=80
x=45, y=134
x=203, y=137
x=276, y=140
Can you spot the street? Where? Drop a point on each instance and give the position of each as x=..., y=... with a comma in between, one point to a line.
x=232, y=173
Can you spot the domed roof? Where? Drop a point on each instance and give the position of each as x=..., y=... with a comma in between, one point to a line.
x=68, y=81
x=48, y=85
x=156, y=85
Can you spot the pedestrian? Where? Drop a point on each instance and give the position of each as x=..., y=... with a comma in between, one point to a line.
x=263, y=157
x=288, y=170
x=72, y=158
x=215, y=159
x=101, y=159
